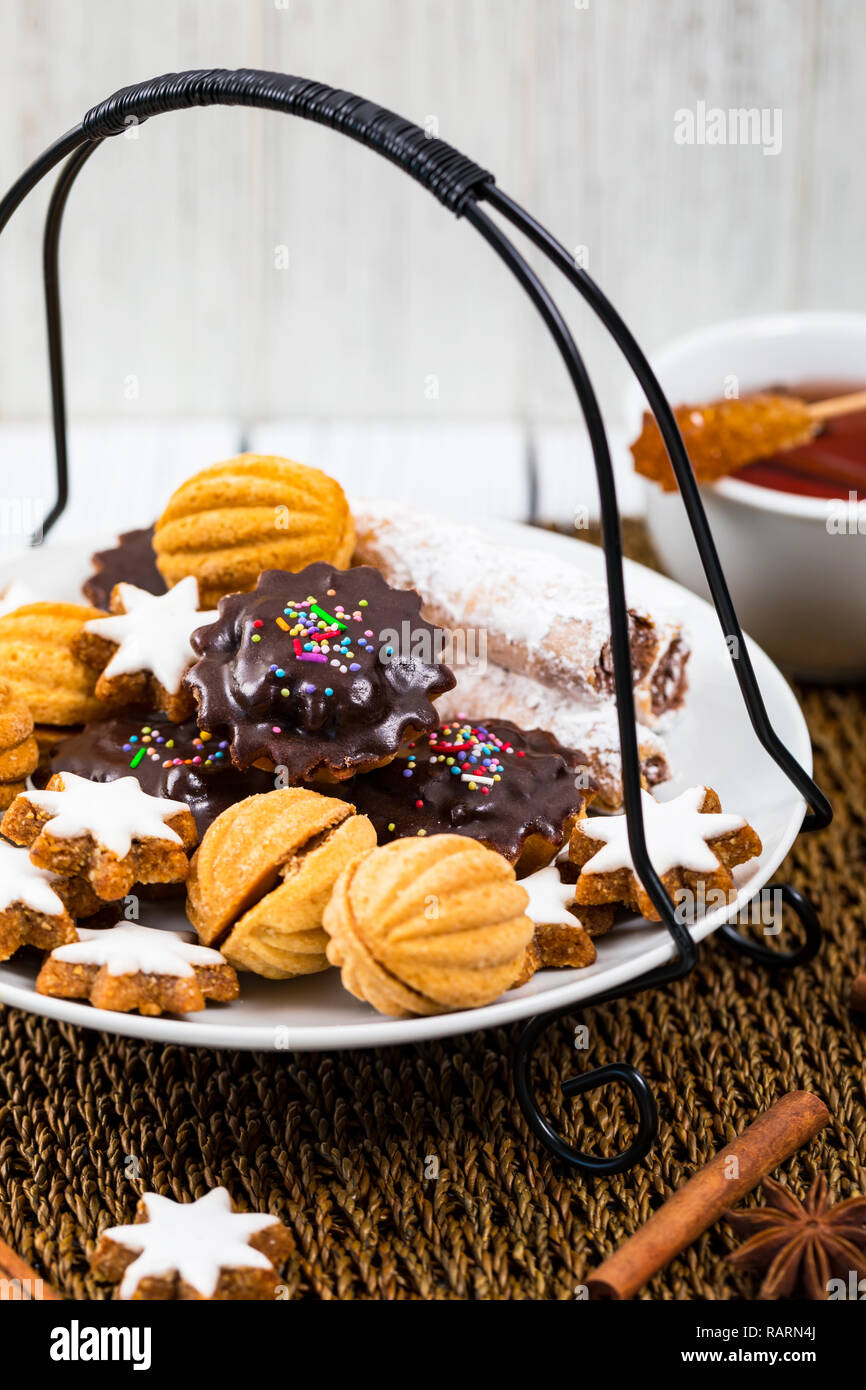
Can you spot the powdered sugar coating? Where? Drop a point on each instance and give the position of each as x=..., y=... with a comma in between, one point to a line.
x=128, y=948
x=154, y=633
x=549, y=614
x=22, y=883
x=676, y=835
x=114, y=813
x=195, y=1240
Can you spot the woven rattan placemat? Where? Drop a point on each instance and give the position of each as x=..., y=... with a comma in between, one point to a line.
x=346, y=1147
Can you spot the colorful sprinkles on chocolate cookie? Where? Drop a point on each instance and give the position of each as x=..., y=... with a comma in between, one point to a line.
x=321, y=673
x=517, y=791
x=474, y=754
x=153, y=743
x=179, y=761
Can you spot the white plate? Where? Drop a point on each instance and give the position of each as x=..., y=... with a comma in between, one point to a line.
x=711, y=742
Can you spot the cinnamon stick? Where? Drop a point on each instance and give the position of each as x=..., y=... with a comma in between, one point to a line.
x=19, y=1281
x=728, y=1176
x=857, y=998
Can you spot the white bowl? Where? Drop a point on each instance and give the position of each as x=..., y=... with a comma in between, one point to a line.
x=796, y=566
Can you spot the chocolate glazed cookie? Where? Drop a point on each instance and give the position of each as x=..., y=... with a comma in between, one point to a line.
x=322, y=673
x=131, y=561
x=519, y=792
x=177, y=761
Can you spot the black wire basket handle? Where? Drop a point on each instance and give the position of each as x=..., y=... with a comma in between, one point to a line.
x=460, y=185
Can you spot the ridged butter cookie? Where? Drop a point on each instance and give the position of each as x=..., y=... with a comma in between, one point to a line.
x=264, y=872
x=252, y=513
x=426, y=926
x=38, y=662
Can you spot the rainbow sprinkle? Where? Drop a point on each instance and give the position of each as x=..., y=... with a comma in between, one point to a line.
x=320, y=637
x=149, y=743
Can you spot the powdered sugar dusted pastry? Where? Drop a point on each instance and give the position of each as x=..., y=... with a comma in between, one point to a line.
x=592, y=731
x=691, y=843
x=193, y=1250
x=129, y=966
x=541, y=617
x=143, y=650
x=110, y=833
x=31, y=911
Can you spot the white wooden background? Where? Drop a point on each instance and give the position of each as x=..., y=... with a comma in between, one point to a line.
x=390, y=310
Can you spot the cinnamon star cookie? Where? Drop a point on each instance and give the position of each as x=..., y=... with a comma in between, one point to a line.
x=142, y=649
x=110, y=833
x=692, y=845
x=129, y=967
x=202, y=1250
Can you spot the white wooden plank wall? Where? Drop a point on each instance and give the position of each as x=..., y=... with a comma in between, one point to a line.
x=390, y=310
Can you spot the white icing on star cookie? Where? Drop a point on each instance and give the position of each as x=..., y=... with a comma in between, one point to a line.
x=130, y=949
x=114, y=813
x=676, y=835
x=153, y=634
x=548, y=896
x=22, y=883
x=195, y=1240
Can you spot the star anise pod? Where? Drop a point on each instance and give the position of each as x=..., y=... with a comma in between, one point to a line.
x=800, y=1246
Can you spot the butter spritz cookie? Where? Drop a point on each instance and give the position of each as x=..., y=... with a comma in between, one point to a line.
x=142, y=650
x=38, y=660
x=110, y=833
x=130, y=967
x=202, y=1250
x=323, y=673
x=254, y=512
x=19, y=751
x=425, y=926
x=263, y=874
x=692, y=845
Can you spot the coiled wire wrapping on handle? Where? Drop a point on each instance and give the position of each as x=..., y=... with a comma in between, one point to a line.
x=448, y=174
x=459, y=184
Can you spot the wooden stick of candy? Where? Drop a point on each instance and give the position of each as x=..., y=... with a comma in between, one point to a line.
x=729, y=1175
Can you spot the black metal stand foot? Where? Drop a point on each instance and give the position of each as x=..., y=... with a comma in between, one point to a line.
x=628, y=1075
x=648, y=1117
x=766, y=955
